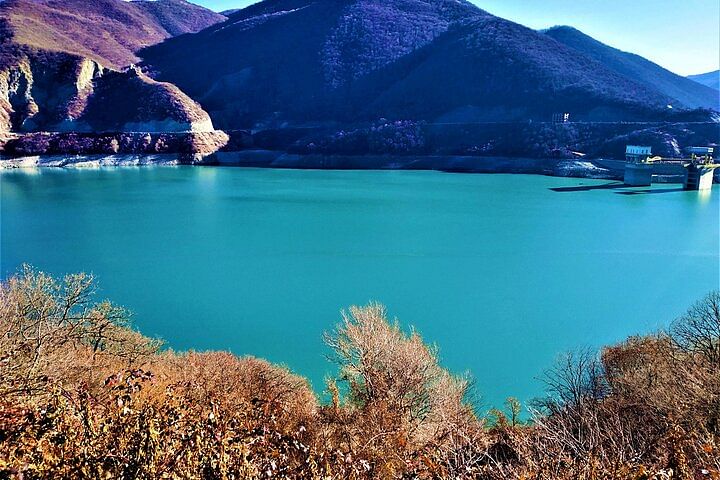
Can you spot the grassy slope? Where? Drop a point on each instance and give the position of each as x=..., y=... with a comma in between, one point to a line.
x=108, y=31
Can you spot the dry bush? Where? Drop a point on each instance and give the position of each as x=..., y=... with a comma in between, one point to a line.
x=696, y=336
x=82, y=395
x=53, y=331
x=647, y=408
x=697, y=333
x=400, y=402
x=238, y=382
x=131, y=436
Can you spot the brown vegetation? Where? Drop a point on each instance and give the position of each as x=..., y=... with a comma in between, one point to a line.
x=188, y=146
x=82, y=395
x=107, y=31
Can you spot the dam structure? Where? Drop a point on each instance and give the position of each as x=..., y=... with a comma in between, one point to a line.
x=697, y=170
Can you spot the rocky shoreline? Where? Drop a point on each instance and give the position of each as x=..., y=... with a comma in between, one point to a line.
x=445, y=163
x=64, y=148
x=91, y=161
x=607, y=169
x=287, y=148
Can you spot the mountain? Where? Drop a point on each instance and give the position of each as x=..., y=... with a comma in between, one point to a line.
x=286, y=58
x=491, y=69
x=302, y=61
x=107, y=31
x=710, y=79
x=639, y=69
x=54, y=56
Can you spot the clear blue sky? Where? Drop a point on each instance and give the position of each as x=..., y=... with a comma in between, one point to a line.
x=681, y=35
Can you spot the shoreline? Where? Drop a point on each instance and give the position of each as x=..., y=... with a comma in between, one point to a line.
x=600, y=169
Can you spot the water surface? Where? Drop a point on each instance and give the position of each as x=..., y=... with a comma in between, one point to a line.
x=500, y=271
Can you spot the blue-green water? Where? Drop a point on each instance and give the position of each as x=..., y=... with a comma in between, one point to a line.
x=500, y=271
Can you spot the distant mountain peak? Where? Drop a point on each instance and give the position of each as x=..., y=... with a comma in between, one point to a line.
x=709, y=79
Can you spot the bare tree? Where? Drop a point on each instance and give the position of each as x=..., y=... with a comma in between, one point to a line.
x=48, y=327
x=576, y=378
x=698, y=331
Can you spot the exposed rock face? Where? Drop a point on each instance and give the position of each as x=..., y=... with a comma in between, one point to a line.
x=47, y=90
x=53, y=59
x=63, y=92
x=5, y=109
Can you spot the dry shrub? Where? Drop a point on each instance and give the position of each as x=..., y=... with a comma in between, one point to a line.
x=647, y=408
x=400, y=403
x=82, y=395
x=52, y=332
x=238, y=382
x=129, y=436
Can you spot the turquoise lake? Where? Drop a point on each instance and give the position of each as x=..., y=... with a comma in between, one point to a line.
x=502, y=272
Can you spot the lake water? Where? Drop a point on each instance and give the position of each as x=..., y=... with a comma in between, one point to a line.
x=500, y=271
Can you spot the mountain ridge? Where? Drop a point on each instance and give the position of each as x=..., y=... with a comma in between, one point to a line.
x=338, y=65
x=638, y=68
x=296, y=61
x=517, y=65
x=709, y=79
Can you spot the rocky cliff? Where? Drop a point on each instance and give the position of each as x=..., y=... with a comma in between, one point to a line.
x=64, y=66
x=63, y=92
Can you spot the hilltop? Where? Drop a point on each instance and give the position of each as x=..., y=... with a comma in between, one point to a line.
x=107, y=31
x=710, y=79
x=286, y=59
